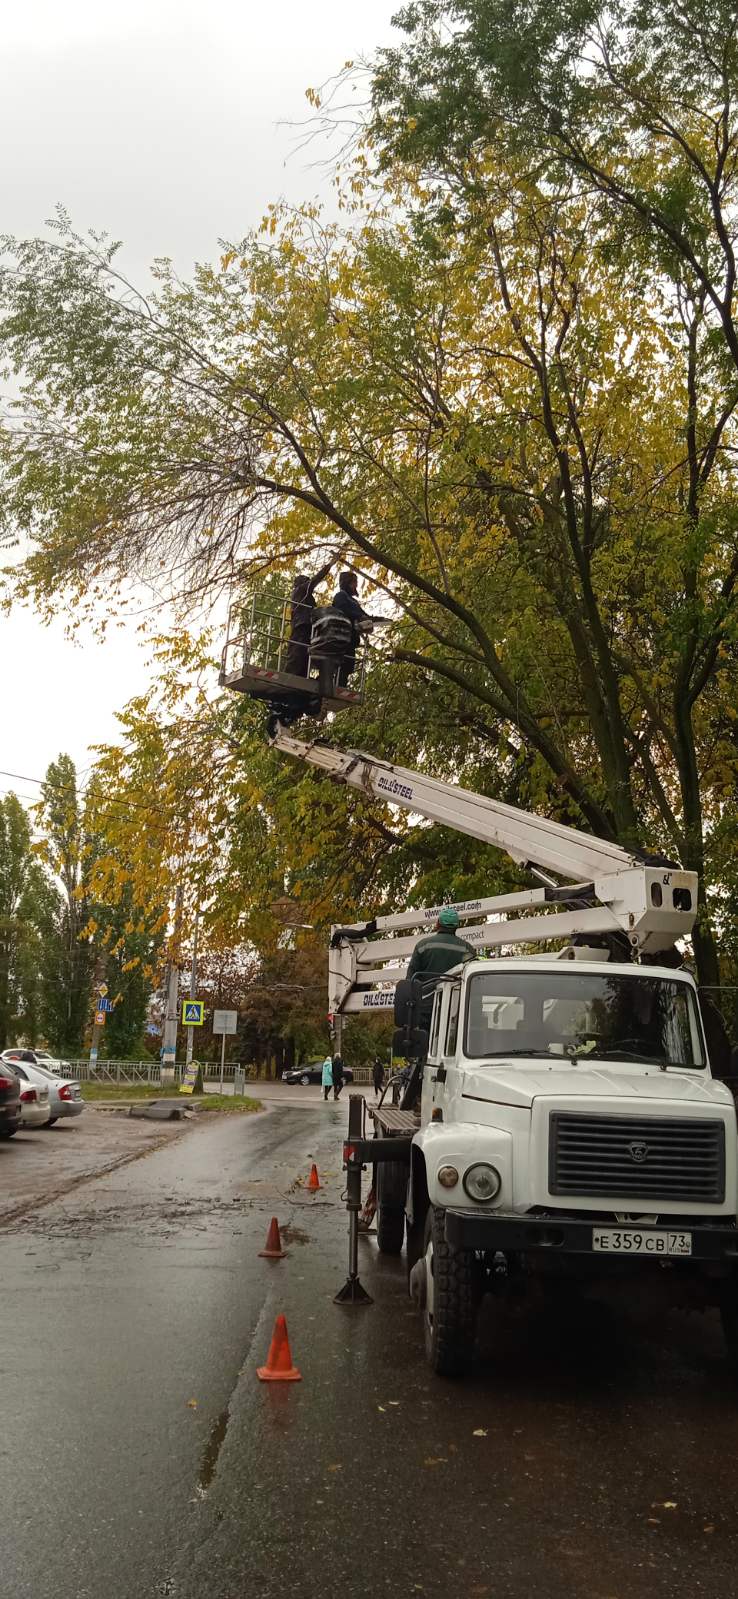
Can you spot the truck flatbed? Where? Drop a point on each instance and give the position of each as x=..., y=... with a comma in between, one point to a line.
x=390, y=1119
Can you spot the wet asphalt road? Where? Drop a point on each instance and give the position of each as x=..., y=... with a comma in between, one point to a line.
x=140, y=1456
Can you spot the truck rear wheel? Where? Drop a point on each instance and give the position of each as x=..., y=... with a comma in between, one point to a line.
x=391, y=1192
x=451, y=1301
x=390, y=1231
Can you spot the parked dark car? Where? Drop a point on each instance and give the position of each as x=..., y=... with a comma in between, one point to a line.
x=312, y=1072
x=10, y=1101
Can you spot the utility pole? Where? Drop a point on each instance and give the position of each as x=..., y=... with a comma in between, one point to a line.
x=171, y=991
x=97, y=1026
x=193, y=987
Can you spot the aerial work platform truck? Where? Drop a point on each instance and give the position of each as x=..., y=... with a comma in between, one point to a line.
x=562, y=1129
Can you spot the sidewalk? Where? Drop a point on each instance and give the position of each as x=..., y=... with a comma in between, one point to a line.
x=277, y=1092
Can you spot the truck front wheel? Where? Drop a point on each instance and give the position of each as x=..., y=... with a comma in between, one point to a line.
x=451, y=1301
x=729, y=1318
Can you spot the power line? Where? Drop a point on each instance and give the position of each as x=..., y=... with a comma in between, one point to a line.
x=69, y=788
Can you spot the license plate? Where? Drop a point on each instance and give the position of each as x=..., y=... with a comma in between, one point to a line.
x=637, y=1241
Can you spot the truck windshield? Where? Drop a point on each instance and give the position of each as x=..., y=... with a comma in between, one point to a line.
x=607, y=1015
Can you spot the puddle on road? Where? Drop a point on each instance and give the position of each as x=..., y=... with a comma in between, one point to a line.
x=212, y=1450
x=294, y=1235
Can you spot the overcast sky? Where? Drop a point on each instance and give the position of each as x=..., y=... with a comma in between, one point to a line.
x=157, y=120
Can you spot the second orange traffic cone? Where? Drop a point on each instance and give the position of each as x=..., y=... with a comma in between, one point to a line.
x=279, y=1367
x=273, y=1247
x=313, y=1181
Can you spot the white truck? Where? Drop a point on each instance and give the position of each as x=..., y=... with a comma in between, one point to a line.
x=568, y=1129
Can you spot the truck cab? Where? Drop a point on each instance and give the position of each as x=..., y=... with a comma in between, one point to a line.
x=570, y=1128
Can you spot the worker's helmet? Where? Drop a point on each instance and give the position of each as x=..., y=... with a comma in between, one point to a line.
x=449, y=918
x=347, y=580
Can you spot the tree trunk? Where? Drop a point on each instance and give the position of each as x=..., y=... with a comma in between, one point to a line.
x=703, y=938
x=705, y=950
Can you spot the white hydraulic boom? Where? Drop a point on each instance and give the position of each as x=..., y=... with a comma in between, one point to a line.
x=604, y=888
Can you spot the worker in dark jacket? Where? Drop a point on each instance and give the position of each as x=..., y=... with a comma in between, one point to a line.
x=346, y=603
x=302, y=609
x=436, y=954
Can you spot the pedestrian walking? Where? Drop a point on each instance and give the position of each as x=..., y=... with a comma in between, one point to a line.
x=338, y=1075
x=327, y=1076
x=378, y=1076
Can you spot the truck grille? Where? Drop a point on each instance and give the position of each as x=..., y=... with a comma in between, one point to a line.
x=637, y=1157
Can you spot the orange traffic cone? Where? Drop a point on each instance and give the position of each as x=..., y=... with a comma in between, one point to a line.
x=279, y=1367
x=313, y=1181
x=273, y=1247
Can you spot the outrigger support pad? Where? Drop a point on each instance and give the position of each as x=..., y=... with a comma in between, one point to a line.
x=352, y=1293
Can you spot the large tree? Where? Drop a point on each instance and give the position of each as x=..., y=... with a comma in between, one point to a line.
x=68, y=965
x=28, y=906
x=514, y=439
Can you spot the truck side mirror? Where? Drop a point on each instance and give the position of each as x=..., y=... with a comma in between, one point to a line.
x=403, y=1002
x=410, y=1042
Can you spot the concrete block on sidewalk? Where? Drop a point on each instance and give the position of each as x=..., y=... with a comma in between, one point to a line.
x=159, y=1110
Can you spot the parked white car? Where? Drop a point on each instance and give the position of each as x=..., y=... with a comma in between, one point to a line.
x=39, y=1057
x=53, y=1063
x=35, y=1105
x=63, y=1094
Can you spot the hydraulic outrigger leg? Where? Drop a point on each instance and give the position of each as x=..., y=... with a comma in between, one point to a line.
x=353, y=1291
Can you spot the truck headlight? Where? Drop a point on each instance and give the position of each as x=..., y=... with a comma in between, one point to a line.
x=482, y=1182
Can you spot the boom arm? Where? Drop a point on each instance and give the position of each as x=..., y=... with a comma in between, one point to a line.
x=530, y=840
x=652, y=905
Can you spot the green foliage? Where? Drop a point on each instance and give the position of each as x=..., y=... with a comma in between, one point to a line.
x=68, y=957
x=28, y=906
x=506, y=396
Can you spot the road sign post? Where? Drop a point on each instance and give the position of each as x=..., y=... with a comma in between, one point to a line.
x=225, y=1022
x=193, y=990
x=171, y=996
x=102, y=1005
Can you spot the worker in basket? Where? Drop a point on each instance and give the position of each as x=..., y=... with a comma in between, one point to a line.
x=346, y=603
x=436, y=954
x=290, y=707
x=302, y=612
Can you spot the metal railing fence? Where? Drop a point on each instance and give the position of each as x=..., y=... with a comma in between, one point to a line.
x=148, y=1073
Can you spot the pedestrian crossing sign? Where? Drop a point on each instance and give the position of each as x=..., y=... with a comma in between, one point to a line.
x=193, y=1012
